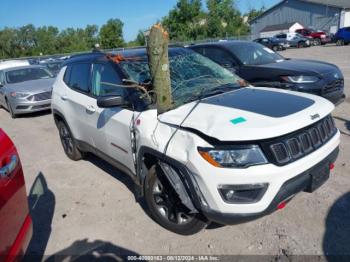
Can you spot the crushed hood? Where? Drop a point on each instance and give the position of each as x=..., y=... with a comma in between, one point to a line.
x=250, y=114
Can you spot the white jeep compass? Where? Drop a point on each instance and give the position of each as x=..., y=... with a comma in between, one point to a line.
x=223, y=153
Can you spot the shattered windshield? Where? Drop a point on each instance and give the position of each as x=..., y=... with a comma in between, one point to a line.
x=192, y=75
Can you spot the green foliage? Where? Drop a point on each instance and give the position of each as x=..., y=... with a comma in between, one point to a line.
x=224, y=19
x=140, y=38
x=47, y=40
x=111, y=34
x=188, y=21
x=255, y=13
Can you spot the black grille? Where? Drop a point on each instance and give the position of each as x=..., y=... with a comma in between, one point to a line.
x=41, y=106
x=40, y=96
x=334, y=86
x=294, y=146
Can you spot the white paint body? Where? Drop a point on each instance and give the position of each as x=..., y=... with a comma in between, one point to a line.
x=13, y=63
x=101, y=127
x=344, y=18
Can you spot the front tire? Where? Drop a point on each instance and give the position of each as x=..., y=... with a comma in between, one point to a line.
x=9, y=108
x=166, y=207
x=340, y=42
x=68, y=142
x=317, y=41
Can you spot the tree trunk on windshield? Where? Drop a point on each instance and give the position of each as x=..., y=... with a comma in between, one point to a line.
x=157, y=51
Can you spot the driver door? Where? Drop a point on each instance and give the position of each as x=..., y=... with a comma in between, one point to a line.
x=111, y=126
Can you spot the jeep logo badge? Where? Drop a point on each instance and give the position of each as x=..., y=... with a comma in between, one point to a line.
x=313, y=117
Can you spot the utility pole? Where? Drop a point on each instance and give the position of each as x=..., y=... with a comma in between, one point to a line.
x=158, y=60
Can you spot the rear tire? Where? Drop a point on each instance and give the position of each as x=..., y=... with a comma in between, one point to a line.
x=275, y=48
x=166, y=207
x=317, y=41
x=68, y=142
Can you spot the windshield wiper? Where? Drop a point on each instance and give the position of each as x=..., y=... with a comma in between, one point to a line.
x=204, y=92
x=220, y=90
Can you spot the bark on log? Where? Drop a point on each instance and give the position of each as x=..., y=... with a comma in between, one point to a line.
x=157, y=51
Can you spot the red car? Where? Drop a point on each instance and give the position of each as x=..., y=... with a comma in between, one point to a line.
x=319, y=37
x=15, y=222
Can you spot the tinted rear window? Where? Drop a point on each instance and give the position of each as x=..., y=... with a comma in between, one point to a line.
x=77, y=77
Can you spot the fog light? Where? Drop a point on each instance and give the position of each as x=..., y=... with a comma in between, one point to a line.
x=229, y=194
x=242, y=194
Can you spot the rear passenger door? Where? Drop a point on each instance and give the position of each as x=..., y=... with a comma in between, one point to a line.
x=78, y=100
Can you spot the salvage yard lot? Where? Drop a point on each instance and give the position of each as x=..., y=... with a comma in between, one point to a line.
x=93, y=203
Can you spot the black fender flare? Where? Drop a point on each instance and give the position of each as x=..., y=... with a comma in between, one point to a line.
x=56, y=112
x=183, y=172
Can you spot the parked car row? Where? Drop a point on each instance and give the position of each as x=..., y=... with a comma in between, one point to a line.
x=25, y=88
x=262, y=67
x=197, y=162
x=304, y=38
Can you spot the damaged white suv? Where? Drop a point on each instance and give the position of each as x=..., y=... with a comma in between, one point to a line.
x=224, y=153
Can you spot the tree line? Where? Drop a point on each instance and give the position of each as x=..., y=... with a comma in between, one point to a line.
x=188, y=20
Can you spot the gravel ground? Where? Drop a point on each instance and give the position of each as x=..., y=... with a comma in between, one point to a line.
x=90, y=205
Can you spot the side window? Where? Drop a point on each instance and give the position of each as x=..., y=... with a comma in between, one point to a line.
x=2, y=77
x=105, y=80
x=77, y=77
x=219, y=56
x=67, y=75
x=199, y=50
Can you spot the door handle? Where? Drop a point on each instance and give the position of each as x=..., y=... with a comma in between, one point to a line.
x=91, y=109
x=8, y=169
x=64, y=97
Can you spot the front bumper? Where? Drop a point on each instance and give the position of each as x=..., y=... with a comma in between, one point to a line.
x=24, y=106
x=209, y=180
x=327, y=88
x=326, y=40
x=287, y=191
x=335, y=97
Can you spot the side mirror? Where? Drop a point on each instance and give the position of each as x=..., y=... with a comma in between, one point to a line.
x=109, y=101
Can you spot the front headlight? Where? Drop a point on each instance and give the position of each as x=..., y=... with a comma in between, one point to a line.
x=18, y=94
x=238, y=157
x=300, y=79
